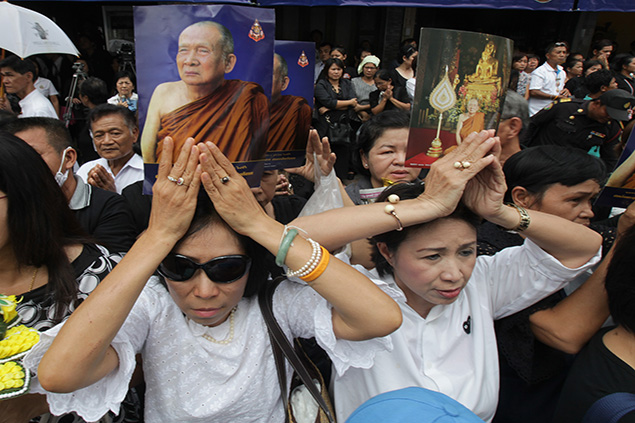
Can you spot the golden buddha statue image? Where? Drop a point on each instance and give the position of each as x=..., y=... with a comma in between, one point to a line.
x=487, y=67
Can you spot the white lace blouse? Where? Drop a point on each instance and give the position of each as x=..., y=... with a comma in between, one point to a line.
x=190, y=379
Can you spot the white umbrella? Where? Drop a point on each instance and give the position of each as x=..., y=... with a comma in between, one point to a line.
x=25, y=33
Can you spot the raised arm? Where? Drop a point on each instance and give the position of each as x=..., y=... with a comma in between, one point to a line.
x=570, y=324
x=570, y=243
x=360, y=309
x=83, y=344
x=444, y=187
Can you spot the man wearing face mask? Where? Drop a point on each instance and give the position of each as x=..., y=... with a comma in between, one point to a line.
x=103, y=214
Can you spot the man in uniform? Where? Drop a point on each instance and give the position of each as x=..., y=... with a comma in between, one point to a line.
x=233, y=114
x=290, y=115
x=592, y=125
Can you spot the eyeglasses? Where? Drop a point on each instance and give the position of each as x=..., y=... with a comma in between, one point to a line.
x=224, y=269
x=560, y=44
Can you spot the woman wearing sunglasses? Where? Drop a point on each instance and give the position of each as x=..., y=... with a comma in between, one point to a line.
x=205, y=347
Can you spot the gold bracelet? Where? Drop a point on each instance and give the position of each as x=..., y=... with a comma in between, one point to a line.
x=524, y=221
x=390, y=209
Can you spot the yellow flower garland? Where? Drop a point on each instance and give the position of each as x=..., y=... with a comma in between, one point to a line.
x=18, y=340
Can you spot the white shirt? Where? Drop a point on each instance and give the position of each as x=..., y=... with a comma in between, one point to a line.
x=35, y=104
x=45, y=87
x=130, y=173
x=548, y=80
x=437, y=353
x=190, y=379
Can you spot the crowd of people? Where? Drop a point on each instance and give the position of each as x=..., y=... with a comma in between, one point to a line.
x=490, y=278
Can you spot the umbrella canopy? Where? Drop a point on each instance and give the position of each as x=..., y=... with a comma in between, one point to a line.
x=25, y=33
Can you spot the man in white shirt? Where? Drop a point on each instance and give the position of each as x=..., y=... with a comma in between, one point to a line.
x=547, y=81
x=114, y=131
x=18, y=78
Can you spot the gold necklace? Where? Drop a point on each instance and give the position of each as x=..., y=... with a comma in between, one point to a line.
x=230, y=336
x=33, y=279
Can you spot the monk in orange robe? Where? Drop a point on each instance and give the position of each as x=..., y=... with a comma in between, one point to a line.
x=472, y=121
x=231, y=113
x=290, y=115
x=235, y=117
x=290, y=123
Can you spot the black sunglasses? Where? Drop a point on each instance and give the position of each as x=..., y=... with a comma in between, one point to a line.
x=224, y=269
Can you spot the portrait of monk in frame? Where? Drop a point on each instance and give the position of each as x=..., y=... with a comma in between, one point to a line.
x=233, y=114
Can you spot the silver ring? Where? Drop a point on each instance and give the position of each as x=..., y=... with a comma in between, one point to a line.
x=180, y=181
x=224, y=179
x=172, y=179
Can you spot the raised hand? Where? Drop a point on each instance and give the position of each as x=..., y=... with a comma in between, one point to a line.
x=230, y=193
x=175, y=190
x=325, y=159
x=449, y=176
x=99, y=177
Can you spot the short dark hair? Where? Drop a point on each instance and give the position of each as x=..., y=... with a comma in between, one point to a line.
x=327, y=64
x=206, y=215
x=552, y=46
x=538, y=168
x=124, y=74
x=619, y=61
x=600, y=44
x=57, y=135
x=620, y=282
x=110, y=109
x=384, y=75
x=598, y=79
x=393, y=239
x=588, y=64
x=374, y=128
x=571, y=62
x=40, y=224
x=95, y=89
x=20, y=66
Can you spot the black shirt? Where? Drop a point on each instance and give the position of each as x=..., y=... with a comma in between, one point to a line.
x=565, y=123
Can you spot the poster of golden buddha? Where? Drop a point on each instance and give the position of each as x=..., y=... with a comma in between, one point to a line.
x=461, y=82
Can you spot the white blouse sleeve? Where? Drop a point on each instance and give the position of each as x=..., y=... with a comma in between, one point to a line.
x=302, y=312
x=94, y=401
x=518, y=277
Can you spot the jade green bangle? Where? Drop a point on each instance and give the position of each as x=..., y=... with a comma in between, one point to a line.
x=284, y=246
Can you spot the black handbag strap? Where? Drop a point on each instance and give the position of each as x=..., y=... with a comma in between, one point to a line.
x=282, y=346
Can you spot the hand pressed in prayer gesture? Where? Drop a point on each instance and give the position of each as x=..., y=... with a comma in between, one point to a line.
x=449, y=176
x=325, y=159
x=230, y=193
x=175, y=190
x=99, y=177
x=485, y=192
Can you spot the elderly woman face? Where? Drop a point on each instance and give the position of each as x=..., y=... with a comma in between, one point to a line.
x=386, y=158
x=124, y=86
x=369, y=70
x=209, y=296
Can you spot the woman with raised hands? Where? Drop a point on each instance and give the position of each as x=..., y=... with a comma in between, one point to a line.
x=197, y=325
x=425, y=258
